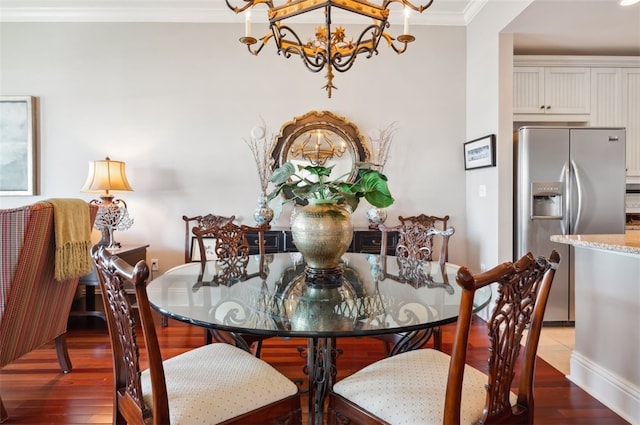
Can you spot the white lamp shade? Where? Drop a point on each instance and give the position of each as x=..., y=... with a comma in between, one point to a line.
x=106, y=176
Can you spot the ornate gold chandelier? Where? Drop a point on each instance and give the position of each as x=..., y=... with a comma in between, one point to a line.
x=330, y=48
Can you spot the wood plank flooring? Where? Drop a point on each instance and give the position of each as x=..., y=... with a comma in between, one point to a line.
x=35, y=392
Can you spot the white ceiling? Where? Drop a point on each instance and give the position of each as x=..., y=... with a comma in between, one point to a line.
x=577, y=27
x=566, y=27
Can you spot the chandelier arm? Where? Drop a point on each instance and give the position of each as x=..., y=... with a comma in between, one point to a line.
x=369, y=46
x=408, y=4
x=250, y=41
x=314, y=63
x=390, y=43
x=249, y=4
x=314, y=59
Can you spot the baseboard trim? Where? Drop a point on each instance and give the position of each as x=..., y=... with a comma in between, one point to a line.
x=615, y=392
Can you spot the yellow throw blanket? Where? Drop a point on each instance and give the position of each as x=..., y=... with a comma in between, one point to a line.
x=73, y=238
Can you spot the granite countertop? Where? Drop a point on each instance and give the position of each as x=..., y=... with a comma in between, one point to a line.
x=628, y=242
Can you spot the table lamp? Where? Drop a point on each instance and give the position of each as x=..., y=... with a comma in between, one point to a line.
x=106, y=177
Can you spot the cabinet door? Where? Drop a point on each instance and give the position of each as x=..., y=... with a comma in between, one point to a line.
x=551, y=90
x=566, y=90
x=528, y=90
x=606, y=97
x=631, y=117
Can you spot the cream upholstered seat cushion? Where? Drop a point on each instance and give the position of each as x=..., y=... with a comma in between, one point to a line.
x=409, y=388
x=217, y=382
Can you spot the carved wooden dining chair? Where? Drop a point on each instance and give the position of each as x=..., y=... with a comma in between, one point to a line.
x=215, y=383
x=190, y=243
x=429, y=221
x=415, y=246
x=200, y=222
x=232, y=250
x=427, y=386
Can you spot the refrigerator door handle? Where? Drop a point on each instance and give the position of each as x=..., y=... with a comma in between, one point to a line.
x=567, y=194
x=576, y=173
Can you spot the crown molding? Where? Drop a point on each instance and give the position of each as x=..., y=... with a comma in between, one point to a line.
x=583, y=61
x=213, y=11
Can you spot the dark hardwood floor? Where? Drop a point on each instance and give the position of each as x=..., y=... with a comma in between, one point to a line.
x=36, y=392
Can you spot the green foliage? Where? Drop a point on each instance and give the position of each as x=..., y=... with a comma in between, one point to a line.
x=369, y=184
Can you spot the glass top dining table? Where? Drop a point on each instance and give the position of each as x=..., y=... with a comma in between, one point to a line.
x=270, y=296
x=376, y=297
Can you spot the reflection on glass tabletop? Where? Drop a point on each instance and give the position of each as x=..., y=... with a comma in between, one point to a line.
x=277, y=301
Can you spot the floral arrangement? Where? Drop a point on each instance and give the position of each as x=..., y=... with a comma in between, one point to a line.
x=315, y=185
x=261, y=148
x=380, y=146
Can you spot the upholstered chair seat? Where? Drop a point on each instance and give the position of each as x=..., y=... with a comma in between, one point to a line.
x=400, y=390
x=242, y=383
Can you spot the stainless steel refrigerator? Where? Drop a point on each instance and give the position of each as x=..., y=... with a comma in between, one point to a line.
x=568, y=180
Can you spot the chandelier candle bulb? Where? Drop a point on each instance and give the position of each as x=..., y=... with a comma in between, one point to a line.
x=247, y=23
x=407, y=12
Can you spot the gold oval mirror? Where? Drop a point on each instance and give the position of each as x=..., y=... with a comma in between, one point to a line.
x=321, y=138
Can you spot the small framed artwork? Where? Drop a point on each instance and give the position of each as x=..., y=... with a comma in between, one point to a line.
x=17, y=145
x=480, y=153
x=209, y=248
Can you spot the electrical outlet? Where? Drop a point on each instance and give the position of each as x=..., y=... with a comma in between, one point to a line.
x=154, y=264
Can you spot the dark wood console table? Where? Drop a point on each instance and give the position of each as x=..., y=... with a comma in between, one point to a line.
x=131, y=254
x=364, y=241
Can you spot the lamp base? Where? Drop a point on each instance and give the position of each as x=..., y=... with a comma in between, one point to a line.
x=112, y=215
x=107, y=239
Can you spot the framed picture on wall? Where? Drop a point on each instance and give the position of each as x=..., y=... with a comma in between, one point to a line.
x=480, y=153
x=17, y=146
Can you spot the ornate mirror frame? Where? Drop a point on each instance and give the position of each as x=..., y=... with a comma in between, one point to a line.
x=347, y=132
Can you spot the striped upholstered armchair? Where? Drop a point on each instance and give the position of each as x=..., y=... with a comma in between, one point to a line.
x=34, y=306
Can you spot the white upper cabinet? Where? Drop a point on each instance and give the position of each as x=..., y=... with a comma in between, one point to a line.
x=615, y=102
x=599, y=91
x=551, y=90
x=606, y=97
x=631, y=117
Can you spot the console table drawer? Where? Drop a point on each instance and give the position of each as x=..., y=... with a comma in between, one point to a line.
x=288, y=242
x=370, y=241
x=273, y=242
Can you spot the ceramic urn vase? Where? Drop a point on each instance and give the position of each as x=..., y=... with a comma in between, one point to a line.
x=322, y=232
x=263, y=214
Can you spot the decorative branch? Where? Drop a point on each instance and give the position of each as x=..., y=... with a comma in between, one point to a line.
x=261, y=148
x=380, y=146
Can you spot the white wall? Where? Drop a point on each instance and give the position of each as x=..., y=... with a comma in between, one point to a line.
x=174, y=101
x=489, y=111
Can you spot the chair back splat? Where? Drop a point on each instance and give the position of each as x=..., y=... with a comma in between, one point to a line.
x=415, y=246
x=430, y=221
x=199, y=222
x=428, y=386
x=216, y=383
x=232, y=250
x=232, y=246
